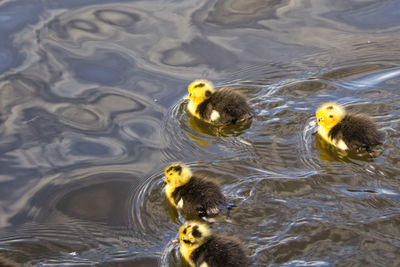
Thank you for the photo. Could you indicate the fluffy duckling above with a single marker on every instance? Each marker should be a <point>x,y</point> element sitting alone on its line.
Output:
<point>224,106</point>
<point>347,131</point>
<point>192,194</point>
<point>199,247</point>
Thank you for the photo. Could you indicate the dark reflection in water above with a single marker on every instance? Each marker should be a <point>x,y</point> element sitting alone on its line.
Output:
<point>117,18</point>
<point>239,14</point>
<point>367,15</point>
<point>92,110</point>
<point>200,52</point>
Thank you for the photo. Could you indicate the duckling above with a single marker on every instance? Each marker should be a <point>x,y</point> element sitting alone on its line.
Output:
<point>347,131</point>
<point>224,106</point>
<point>199,247</point>
<point>193,194</point>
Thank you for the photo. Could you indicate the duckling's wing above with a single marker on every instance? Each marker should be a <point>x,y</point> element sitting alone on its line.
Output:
<point>199,255</point>
<point>211,198</point>
<point>203,211</point>
<point>213,210</point>
<point>214,201</point>
<point>200,195</point>
<point>233,105</point>
<point>205,109</point>
<point>358,131</point>
<point>220,251</point>
<point>230,105</point>
<point>178,194</point>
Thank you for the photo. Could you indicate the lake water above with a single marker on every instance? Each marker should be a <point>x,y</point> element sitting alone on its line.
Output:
<point>92,111</point>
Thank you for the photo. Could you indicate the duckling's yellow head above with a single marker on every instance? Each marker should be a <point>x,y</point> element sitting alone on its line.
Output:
<point>330,114</point>
<point>200,90</point>
<point>177,174</point>
<point>193,234</point>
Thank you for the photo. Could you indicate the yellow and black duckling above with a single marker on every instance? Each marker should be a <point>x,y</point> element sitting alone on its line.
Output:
<point>347,131</point>
<point>224,106</point>
<point>192,194</point>
<point>199,247</point>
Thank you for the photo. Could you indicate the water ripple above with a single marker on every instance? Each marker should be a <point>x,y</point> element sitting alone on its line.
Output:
<point>91,112</point>
<point>188,135</point>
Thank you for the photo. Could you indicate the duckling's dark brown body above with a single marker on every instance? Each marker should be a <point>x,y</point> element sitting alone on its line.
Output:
<point>357,131</point>
<point>220,251</point>
<point>200,196</point>
<point>231,105</point>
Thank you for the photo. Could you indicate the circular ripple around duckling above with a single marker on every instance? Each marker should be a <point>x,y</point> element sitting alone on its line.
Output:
<point>251,189</point>
<point>191,138</point>
<point>151,213</point>
<point>320,153</point>
<point>171,255</point>
<point>151,210</point>
<point>82,216</point>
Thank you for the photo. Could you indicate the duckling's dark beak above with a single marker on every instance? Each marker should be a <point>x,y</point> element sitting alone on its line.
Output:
<point>186,241</point>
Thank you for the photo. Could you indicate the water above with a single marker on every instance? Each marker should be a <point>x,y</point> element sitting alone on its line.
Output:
<point>92,110</point>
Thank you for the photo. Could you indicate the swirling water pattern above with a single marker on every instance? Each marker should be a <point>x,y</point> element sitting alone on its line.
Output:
<point>92,110</point>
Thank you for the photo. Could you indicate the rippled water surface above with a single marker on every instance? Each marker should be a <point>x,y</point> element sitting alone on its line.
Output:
<point>92,111</point>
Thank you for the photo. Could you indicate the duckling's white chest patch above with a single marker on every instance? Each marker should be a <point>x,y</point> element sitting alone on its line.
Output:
<point>180,204</point>
<point>214,115</point>
<point>342,145</point>
<point>337,143</point>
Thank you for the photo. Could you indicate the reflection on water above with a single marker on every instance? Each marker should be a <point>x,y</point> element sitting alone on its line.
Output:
<point>91,112</point>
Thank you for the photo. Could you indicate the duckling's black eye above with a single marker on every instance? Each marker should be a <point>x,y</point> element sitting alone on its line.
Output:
<point>184,231</point>
<point>208,93</point>
<point>196,232</point>
<point>330,116</point>
<point>190,94</point>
